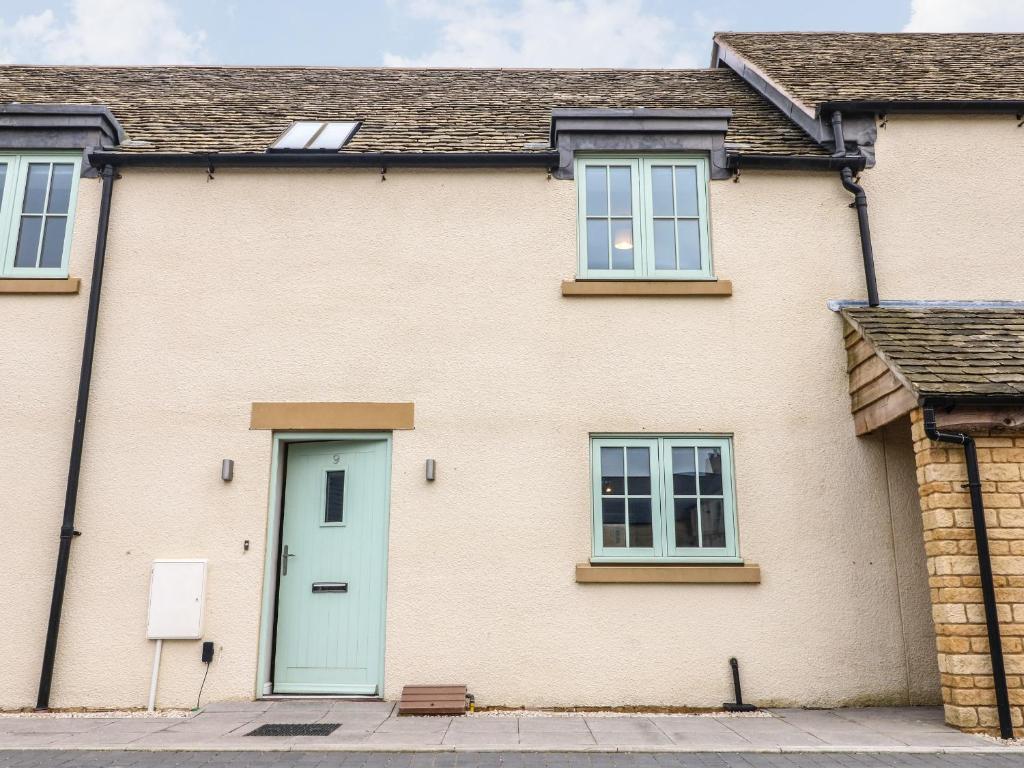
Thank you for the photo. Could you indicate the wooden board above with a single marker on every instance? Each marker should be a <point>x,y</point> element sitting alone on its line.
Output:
<point>433,700</point>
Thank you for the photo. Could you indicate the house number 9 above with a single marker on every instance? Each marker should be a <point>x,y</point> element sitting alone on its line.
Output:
<point>337,458</point>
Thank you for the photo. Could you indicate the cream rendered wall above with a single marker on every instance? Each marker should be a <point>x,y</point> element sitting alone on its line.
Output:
<point>442,287</point>
<point>40,356</point>
<point>947,207</point>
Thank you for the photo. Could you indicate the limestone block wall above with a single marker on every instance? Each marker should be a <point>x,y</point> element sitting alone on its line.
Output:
<point>955,586</point>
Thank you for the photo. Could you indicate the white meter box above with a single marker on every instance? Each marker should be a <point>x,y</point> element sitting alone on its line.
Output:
<point>177,595</point>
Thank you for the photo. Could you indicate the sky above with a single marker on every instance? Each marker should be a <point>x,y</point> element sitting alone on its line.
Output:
<point>512,33</point>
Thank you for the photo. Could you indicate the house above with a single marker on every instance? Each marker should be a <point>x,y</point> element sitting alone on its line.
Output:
<point>566,385</point>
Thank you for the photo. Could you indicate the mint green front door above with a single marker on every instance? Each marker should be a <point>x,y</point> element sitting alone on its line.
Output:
<point>332,565</point>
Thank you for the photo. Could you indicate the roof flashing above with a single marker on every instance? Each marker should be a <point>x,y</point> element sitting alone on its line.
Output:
<point>641,129</point>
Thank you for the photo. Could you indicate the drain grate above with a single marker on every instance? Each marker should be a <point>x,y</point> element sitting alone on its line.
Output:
<point>295,729</point>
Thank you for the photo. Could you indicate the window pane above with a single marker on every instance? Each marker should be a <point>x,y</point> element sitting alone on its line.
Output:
<point>622,243</point>
<point>35,187</point>
<point>661,190</point>
<point>597,190</point>
<point>597,243</point>
<point>298,135</point>
<point>686,191</point>
<point>334,508</point>
<point>684,476</point>
<point>638,462</point>
<point>53,241</point>
<point>60,188</point>
<point>612,472</point>
<point>686,523</point>
<point>613,522</point>
<point>664,244</point>
<point>333,136</point>
<point>3,181</point>
<point>689,243</point>
<point>709,462</point>
<point>641,532</point>
<point>620,178</point>
<point>28,241</point>
<point>712,522</point>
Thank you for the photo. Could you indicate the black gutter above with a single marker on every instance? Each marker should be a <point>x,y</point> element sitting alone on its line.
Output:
<point>988,591</point>
<point>67,528</point>
<point>797,162</point>
<point>307,159</point>
<point>935,106</point>
<point>860,202</point>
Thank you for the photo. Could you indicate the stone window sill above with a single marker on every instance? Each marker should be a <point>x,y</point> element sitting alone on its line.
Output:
<point>647,288</point>
<point>30,285</point>
<point>587,573</point>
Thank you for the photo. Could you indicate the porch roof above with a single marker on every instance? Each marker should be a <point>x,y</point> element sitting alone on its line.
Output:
<point>898,356</point>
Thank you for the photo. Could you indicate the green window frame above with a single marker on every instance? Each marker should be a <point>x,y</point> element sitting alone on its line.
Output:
<point>666,498</point>
<point>658,230</point>
<point>38,197</point>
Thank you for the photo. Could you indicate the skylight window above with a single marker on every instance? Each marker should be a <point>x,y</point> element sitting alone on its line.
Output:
<point>316,135</point>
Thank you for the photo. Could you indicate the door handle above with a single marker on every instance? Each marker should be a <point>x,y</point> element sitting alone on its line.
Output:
<point>330,586</point>
<point>284,560</point>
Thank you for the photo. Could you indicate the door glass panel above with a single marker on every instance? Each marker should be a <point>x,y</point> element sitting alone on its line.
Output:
<point>28,241</point>
<point>597,190</point>
<point>53,241</point>
<point>686,190</point>
<point>3,181</point>
<point>334,507</point>
<point>712,522</point>
<point>661,190</point>
<point>35,187</point>
<point>597,244</point>
<point>686,523</point>
<point>709,463</point>
<point>60,188</point>
<point>622,243</point>
<point>621,182</point>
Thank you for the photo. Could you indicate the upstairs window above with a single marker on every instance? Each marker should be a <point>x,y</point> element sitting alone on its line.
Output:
<point>37,211</point>
<point>643,218</point>
<point>666,498</point>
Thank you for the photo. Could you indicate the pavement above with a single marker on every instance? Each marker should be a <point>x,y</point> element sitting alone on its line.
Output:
<point>373,726</point>
<point>304,759</point>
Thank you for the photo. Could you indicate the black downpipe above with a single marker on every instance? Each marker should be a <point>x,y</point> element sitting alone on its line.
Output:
<point>988,591</point>
<point>860,202</point>
<point>67,528</point>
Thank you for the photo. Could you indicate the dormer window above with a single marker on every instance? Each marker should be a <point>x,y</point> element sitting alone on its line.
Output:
<point>316,136</point>
<point>37,211</point>
<point>644,218</point>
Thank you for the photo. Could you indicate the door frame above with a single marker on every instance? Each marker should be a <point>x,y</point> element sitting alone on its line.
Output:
<point>268,612</point>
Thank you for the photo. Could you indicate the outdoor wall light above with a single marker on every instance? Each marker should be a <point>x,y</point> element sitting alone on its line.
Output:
<point>227,470</point>
<point>430,470</point>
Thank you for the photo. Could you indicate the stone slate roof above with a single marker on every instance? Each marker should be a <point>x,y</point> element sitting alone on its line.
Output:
<point>815,67</point>
<point>244,109</point>
<point>947,351</point>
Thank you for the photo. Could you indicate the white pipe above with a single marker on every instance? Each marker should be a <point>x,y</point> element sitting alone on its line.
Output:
<point>156,674</point>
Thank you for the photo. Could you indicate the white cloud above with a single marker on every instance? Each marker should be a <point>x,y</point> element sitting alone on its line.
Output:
<point>101,32</point>
<point>556,33</point>
<point>966,16</point>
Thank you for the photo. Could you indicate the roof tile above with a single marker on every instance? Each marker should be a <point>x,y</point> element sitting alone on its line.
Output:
<point>244,109</point>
